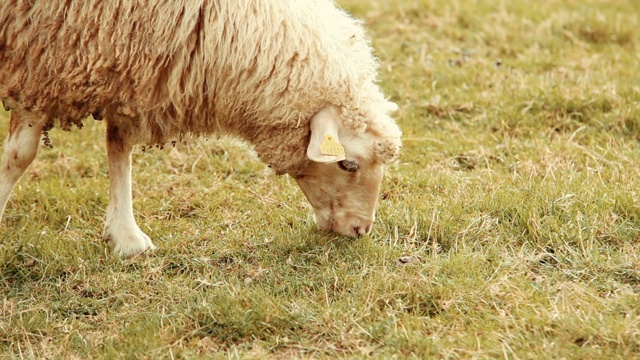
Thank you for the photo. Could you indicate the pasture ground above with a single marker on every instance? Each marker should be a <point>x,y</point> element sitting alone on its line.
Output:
<point>509,228</point>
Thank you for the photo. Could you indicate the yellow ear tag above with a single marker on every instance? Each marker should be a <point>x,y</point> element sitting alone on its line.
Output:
<point>329,146</point>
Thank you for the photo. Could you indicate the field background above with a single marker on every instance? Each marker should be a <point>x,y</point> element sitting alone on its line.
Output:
<point>509,228</point>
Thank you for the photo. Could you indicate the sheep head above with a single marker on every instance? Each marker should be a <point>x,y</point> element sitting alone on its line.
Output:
<point>342,179</point>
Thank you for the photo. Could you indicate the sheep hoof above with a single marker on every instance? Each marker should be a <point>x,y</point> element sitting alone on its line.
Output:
<point>128,242</point>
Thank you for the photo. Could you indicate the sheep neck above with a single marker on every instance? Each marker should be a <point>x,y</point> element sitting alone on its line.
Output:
<point>282,147</point>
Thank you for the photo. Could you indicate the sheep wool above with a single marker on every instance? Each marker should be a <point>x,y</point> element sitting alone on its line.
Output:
<point>163,70</point>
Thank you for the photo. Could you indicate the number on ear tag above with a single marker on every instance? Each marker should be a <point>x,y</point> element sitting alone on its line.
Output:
<point>329,146</point>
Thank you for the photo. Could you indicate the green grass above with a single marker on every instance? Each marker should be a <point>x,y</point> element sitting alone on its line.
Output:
<point>509,228</point>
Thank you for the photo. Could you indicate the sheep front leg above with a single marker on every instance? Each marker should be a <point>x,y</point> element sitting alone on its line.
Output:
<point>20,149</point>
<point>121,230</point>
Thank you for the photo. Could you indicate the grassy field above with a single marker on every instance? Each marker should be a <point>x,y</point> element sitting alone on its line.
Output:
<point>509,228</point>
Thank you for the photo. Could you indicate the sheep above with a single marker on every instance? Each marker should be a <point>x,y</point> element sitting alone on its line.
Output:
<point>296,79</point>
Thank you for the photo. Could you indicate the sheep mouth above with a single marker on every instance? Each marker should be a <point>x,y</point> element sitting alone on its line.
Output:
<point>350,229</point>
<point>348,225</point>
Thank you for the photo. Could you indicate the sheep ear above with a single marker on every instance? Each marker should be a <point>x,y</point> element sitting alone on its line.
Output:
<point>325,144</point>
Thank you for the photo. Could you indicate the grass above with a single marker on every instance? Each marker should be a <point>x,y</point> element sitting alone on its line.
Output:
<point>509,228</point>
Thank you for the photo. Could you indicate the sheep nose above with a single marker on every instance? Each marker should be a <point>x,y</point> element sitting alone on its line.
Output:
<point>362,229</point>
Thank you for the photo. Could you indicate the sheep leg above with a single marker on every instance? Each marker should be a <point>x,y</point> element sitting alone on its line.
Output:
<point>20,149</point>
<point>121,230</point>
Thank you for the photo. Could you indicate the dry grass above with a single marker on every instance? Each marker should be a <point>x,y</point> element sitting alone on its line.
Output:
<point>508,229</point>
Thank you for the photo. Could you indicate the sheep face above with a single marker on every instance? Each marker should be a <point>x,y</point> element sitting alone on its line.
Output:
<point>343,198</point>
<point>342,180</point>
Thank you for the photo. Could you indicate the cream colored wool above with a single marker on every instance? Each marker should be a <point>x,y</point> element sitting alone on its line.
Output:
<point>162,70</point>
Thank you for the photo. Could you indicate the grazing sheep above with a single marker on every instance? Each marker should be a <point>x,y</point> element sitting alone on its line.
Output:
<point>295,78</point>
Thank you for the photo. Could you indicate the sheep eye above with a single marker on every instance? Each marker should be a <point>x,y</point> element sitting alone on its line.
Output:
<point>348,165</point>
